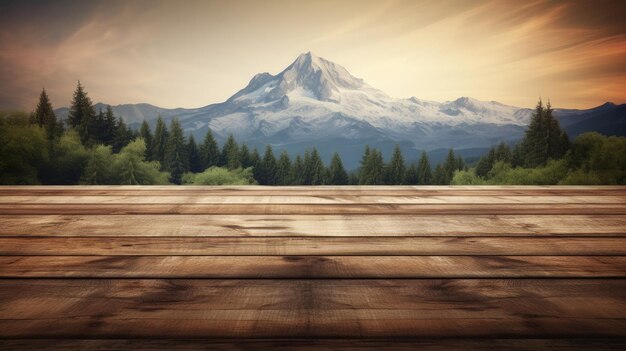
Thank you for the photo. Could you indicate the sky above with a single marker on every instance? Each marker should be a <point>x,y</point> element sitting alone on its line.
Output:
<point>195,53</point>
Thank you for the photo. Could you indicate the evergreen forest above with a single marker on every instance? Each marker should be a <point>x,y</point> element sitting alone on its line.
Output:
<point>97,147</point>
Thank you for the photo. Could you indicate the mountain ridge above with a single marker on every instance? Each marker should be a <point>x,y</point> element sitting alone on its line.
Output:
<point>316,102</point>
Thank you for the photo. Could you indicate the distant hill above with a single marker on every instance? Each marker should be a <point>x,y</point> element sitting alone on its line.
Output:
<point>607,119</point>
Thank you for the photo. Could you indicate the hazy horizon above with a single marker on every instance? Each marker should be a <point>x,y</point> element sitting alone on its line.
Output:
<point>195,53</point>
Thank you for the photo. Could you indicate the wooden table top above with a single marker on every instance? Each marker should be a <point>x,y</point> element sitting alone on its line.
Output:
<point>322,268</point>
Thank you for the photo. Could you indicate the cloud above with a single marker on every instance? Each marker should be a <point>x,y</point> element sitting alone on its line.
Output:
<point>198,52</point>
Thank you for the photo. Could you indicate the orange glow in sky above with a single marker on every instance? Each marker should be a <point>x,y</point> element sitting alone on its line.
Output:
<point>194,53</point>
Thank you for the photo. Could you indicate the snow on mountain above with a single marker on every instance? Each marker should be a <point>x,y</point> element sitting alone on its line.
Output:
<point>313,88</point>
<point>324,100</point>
<point>315,102</point>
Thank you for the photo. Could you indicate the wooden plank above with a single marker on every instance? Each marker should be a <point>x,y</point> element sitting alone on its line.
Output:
<point>507,256</point>
<point>311,225</point>
<point>317,209</point>
<point>440,344</point>
<point>109,190</point>
<point>316,199</point>
<point>364,267</point>
<point>316,246</point>
<point>311,191</point>
<point>129,308</point>
<point>311,187</point>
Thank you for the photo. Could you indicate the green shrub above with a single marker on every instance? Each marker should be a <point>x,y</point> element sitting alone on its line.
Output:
<point>99,168</point>
<point>468,177</point>
<point>68,158</point>
<point>23,149</point>
<point>220,176</point>
<point>598,159</point>
<point>127,167</point>
<point>582,177</point>
<point>551,173</point>
<point>131,168</point>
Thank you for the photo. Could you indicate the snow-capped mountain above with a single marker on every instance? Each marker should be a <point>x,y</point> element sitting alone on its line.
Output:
<point>315,102</point>
<point>314,97</point>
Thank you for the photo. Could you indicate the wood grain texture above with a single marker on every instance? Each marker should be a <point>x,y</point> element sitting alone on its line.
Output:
<point>311,225</point>
<point>440,344</point>
<point>312,308</point>
<point>316,209</point>
<point>264,267</point>
<point>311,199</point>
<point>387,246</point>
<point>373,190</point>
<point>323,268</point>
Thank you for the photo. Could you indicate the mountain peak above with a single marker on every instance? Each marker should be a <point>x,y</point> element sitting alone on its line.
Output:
<point>322,78</point>
<point>305,56</point>
<point>608,104</point>
<point>305,61</point>
<point>309,76</point>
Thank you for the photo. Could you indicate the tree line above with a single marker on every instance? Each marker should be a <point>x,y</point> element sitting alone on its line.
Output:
<point>179,155</point>
<point>98,148</point>
<point>547,156</point>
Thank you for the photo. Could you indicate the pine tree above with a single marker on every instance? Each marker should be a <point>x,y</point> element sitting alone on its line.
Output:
<point>534,143</point>
<point>109,126</point>
<point>558,141</point>
<point>440,176</point>
<point>267,168</point>
<point>337,174</point>
<point>97,128</point>
<point>193,155</point>
<point>81,113</point>
<point>244,156</point>
<point>503,153</point>
<point>363,170</point>
<point>372,172</point>
<point>544,138</point>
<point>460,163</point>
<point>396,169</point>
<point>517,156</point>
<point>230,153</point>
<point>159,142</point>
<point>450,166</point>
<point>75,116</point>
<point>353,178</point>
<point>298,171</point>
<point>424,173</point>
<point>314,171</point>
<point>563,146</point>
<point>412,175</point>
<point>284,175</point>
<point>44,116</point>
<point>146,134</point>
<point>255,162</point>
<point>485,163</point>
<point>122,135</point>
<point>209,151</point>
<point>176,157</point>
<point>306,168</point>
